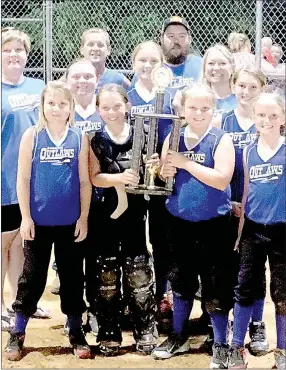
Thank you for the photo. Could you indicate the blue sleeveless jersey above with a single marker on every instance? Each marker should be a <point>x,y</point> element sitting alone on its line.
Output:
<point>19,111</point>
<point>225,105</point>
<point>110,76</point>
<point>55,186</point>
<point>265,202</point>
<point>184,74</point>
<point>240,139</point>
<point>193,200</point>
<point>90,124</point>
<point>141,106</point>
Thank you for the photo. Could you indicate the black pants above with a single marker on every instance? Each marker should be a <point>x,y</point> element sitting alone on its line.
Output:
<point>202,248</point>
<point>257,243</point>
<point>69,260</point>
<point>158,223</point>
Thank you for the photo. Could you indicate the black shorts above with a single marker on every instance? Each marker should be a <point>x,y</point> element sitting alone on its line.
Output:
<point>202,249</point>
<point>10,217</point>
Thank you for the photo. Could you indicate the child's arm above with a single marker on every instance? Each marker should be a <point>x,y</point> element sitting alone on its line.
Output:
<point>107,180</point>
<point>85,190</point>
<point>244,197</point>
<point>218,177</point>
<point>27,229</point>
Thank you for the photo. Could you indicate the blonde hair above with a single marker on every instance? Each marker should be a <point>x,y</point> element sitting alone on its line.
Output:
<point>55,86</point>
<point>141,46</point>
<point>9,34</point>
<point>278,100</point>
<point>225,52</point>
<point>197,89</point>
<point>252,71</point>
<point>95,30</point>
<point>238,41</point>
<point>279,47</point>
<point>112,88</point>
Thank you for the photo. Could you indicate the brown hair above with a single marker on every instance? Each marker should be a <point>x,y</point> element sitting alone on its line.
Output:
<point>9,34</point>
<point>252,71</point>
<point>112,88</point>
<point>95,30</point>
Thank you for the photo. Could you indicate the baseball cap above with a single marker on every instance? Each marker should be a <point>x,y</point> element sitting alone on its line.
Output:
<point>175,19</point>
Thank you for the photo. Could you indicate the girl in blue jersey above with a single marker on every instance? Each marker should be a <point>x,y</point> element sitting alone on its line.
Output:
<point>199,210</point>
<point>20,101</point>
<point>142,96</point>
<point>81,78</point>
<point>120,237</point>
<point>95,46</point>
<point>248,84</point>
<point>263,228</point>
<point>54,194</point>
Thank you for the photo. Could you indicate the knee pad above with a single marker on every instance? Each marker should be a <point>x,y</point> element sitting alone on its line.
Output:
<point>109,277</point>
<point>138,274</point>
<point>280,307</point>
<point>213,306</point>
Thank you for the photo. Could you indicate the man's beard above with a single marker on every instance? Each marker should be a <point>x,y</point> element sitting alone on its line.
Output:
<point>175,59</point>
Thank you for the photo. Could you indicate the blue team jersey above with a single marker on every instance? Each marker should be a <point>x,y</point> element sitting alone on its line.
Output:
<point>141,106</point>
<point>265,202</point>
<point>193,200</point>
<point>110,76</point>
<point>55,185</point>
<point>19,111</point>
<point>184,74</point>
<point>240,139</point>
<point>90,124</point>
<point>225,105</point>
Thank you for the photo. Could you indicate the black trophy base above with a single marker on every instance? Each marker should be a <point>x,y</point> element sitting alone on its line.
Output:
<point>148,190</point>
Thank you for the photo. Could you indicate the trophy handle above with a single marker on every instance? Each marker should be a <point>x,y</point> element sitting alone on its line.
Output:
<point>174,145</point>
<point>138,136</point>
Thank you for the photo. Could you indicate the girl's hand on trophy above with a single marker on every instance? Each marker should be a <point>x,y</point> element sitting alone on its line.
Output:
<point>168,170</point>
<point>176,159</point>
<point>130,177</point>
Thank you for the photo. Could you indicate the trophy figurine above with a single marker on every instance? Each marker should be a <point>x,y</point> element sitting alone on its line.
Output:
<point>161,78</point>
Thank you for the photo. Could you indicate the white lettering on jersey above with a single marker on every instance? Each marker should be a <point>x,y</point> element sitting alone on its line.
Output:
<point>147,108</point>
<point>180,81</point>
<point>24,101</point>
<point>265,172</point>
<point>88,126</point>
<point>241,139</point>
<point>196,157</point>
<point>56,155</point>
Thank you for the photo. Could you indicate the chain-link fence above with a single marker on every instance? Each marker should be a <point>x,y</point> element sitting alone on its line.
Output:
<point>55,26</point>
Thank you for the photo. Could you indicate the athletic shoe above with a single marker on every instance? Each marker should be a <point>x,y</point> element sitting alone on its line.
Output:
<point>56,286</point>
<point>220,356</point>
<point>146,343</point>
<point>174,344</point>
<point>165,319</point>
<point>80,346</point>
<point>14,347</point>
<point>280,358</point>
<point>258,345</point>
<point>237,358</point>
<point>109,347</point>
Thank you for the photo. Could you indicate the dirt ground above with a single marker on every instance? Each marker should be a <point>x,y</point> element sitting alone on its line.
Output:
<point>47,347</point>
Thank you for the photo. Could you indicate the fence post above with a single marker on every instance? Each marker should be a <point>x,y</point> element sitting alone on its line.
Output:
<point>48,40</point>
<point>258,33</point>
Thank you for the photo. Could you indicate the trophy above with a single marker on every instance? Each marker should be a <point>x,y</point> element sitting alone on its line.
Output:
<point>161,78</point>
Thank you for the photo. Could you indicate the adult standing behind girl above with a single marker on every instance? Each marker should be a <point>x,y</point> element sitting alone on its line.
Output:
<point>95,46</point>
<point>20,101</point>
<point>54,194</point>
